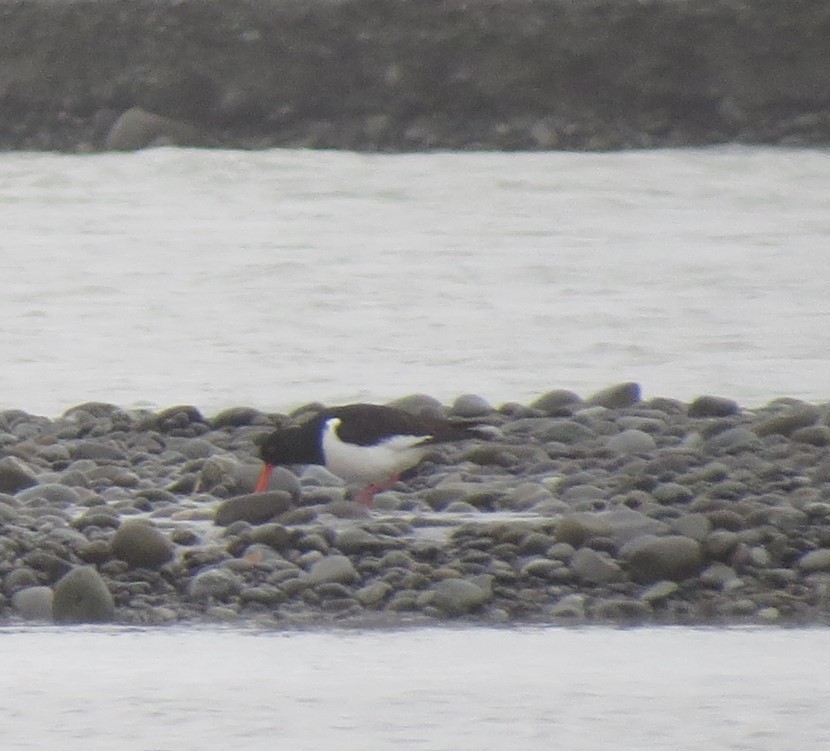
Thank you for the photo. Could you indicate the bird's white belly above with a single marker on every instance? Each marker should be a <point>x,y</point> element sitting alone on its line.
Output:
<point>368,465</point>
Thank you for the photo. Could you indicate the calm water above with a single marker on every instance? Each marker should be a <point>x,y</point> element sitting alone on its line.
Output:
<point>442,690</point>
<point>272,279</point>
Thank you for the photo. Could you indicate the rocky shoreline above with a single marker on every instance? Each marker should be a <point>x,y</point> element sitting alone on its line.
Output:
<point>385,75</point>
<point>608,509</point>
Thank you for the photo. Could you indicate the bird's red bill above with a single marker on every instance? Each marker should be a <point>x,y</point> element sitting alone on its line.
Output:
<point>264,478</point>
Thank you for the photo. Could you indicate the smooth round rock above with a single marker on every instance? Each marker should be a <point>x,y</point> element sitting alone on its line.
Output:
<point>214,584</point>
<point>33,603</point>
<point>815,560</point>
<point>618,396</point>
<point>333,568</point>
<point>55,493</point>
<point>556,402</point>
<point>82,596</point>
<point>673,557</point>
<point>254,508</point>
<point>580,526</point>
<point>800,416</point>
<point>15,475</point>
<point>141,545</point>
<point>631,442</point>
<point>458,596</point>
<point>713,406</point>
<point>354,540</point>
<point>593,566</point>
<point>470,405</point>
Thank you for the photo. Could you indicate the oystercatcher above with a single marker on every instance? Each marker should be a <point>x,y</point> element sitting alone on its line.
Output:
<point>364,444</point>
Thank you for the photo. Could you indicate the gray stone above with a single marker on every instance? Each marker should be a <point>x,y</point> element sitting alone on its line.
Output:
<point>19,578</point>
<point>713,406</point>
<point>616,397</point>
<point>626,523</point>
<point>814,435</point>
<point>98,451</point>
<point>458,596</point>
<point>356,540</point>
<point>333,568</point>
<point>373,594</point>
<point>798,416</point>
<point>419,404</point>
<point>696,526</point>
<point>55,493</point>
<point>33,603</point>
<point>138,129</point>
<point>734,440</point>
<point>214,584</point>
<point>652,558</point>
<point>555,402</point>
<point>564,431</point>
<point>670,493</point>
<point>15,475</point>
<point>631,442</point>
<point>721,544</point>
<point>718,575</point>
<point>622,609</point>
<point>254,508</point>
<point>599,568</point>
<point>570,606</point>
<point>82,596</point>
<point>815,560</point>
<point>659,591</point>
<point>470,405</point>
<point>141,545</point>
<point>542,568</point>
<point>580,526</point>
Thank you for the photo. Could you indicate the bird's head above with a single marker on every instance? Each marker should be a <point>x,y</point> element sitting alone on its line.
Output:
<point>290,444</point>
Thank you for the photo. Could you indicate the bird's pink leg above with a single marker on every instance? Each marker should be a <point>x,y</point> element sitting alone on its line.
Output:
<point>366,496</point>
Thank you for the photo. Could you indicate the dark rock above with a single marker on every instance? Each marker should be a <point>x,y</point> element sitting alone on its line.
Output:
<point>631,442</point>
<point>138,129</point>
<point>98,451</point>
<point>713,406</point>
<point>598,568</point>
<point>256,508</point>
<point>459,596</point>
<point>215,584</point>
<point>801,416</point>
<point>470,405</point>
<point>141,545</point>
<point>333,568</point>
<point>652,558</point>
<point>235,417</point>
<point>556,403</point>
<point>82,596</point>
<point>15,475</point>
<point>581,526</point>
<point>34,603</point>
<point>616,397</point>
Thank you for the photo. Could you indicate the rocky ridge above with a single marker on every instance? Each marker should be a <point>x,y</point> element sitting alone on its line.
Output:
<point>385,75</point>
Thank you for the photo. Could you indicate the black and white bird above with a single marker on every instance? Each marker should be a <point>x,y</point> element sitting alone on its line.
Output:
<point>369,445</point>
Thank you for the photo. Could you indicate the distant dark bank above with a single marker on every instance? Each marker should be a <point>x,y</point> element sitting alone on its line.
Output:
<point>408,75</point>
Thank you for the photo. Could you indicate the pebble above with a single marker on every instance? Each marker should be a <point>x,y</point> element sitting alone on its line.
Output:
<point>253,508</point>
<point>673,557</point>
<point>33,603</point>
<point>458,596</point>
<point>141,544</point>
<point>82,596</point>
<point>333,568</point>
